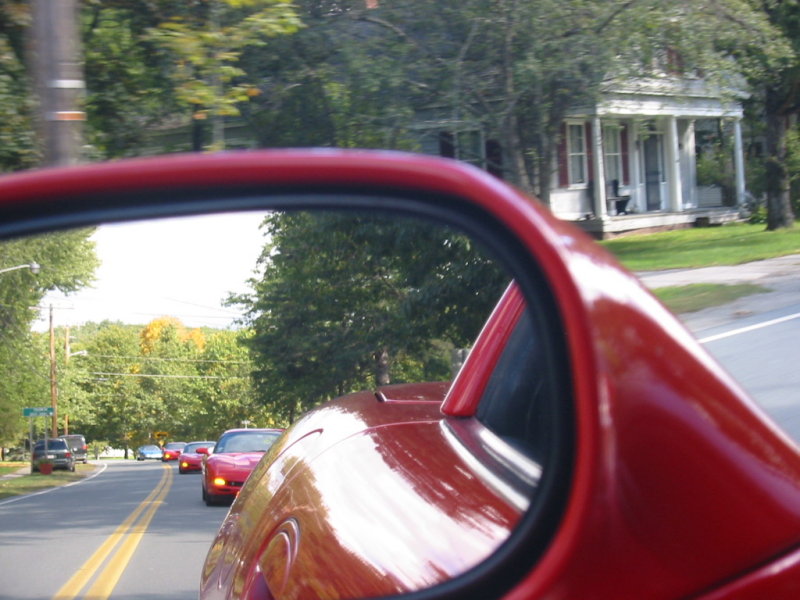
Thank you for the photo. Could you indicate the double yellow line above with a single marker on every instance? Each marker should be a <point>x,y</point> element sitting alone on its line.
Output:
<point>127,536</point>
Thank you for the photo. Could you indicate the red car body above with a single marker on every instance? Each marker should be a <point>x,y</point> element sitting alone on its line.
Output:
<point>661,479</point>
<point>189,460</point>
<point>236,453</point>
<point>172,450</point>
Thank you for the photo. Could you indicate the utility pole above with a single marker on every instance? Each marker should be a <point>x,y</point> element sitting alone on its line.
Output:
<point>53,383</point>
<point>59,80</point>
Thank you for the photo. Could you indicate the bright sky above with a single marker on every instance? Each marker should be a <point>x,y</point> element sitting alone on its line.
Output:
<point>183,268</point>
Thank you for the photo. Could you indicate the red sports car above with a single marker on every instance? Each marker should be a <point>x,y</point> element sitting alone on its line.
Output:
<point>589,446</point>
<point>236,453</point>
<point>190,460</point>
<point>172,450</point>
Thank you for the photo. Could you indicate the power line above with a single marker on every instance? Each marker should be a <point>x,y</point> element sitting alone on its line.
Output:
<point>169,376</point>
<point>157,358</point>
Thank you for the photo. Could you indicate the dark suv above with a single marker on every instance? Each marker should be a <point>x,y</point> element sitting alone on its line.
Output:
<point>57,451</point>
<point>77,444</point>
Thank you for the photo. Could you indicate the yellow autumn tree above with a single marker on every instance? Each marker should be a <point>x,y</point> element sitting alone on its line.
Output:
<point>157,329</point>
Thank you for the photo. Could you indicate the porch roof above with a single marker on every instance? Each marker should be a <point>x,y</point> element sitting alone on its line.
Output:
<point>687,98</point>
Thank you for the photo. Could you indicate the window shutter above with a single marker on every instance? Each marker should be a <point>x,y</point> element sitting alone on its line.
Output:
<point>563,168</point>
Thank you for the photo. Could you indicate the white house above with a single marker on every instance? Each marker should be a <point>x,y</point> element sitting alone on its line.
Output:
<point>630,162</point>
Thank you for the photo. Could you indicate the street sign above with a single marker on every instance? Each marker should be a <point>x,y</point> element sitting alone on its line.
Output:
<point>38,411</point>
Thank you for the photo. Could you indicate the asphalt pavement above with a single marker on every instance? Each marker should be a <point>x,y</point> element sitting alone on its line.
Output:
<point>781,276</point>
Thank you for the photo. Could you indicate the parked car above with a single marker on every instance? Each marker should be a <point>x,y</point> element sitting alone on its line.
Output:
<point>235,455</point>
<point>589,446</point>
<point>149,452</point>
<point>77,444</point>
<point>54,449</point>
<point>172,450</point>
<point>190,461</point>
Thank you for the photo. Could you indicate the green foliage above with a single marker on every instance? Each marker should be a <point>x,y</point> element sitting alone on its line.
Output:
<point>17,132</point>
<point>67,263</point>
<point>348,302</point>
<point>771,64</point>
<point>127,89</point>
<point>206,52</point>
<point>135,381</point>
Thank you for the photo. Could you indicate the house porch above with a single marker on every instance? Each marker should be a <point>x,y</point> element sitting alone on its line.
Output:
<point>619,225</point>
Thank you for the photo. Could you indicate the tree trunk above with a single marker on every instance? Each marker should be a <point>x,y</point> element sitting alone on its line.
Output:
<point>517,174</point>
<point>779,205</point>
<point>382,367</point>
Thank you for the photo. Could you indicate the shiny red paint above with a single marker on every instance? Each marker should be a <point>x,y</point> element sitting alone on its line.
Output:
<point>172,450</point>
<point>190,460</point>
<point>235,455</point>
<point>297,522</point>
<point>680,487</point>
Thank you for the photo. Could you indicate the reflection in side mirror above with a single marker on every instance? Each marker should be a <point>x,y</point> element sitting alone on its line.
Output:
<point>345,333</point>
<point>337,302</point>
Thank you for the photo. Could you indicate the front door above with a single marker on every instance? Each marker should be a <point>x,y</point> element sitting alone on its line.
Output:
<point>653,171</point>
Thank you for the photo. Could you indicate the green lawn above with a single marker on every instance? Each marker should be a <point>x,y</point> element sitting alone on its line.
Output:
<point>34,482</point>
<point>731,244</point>
<point>683,299</point>
<point>8,468</point>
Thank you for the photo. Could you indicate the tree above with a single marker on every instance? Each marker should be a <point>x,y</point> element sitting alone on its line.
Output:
<point>773,67</point>
<point>67,264</point>
<point>120,412</point>
<point>348,302</point>
<point>17,134</point>
<point>160,377</point>
<point>226,396</point>
<point>207,48</point>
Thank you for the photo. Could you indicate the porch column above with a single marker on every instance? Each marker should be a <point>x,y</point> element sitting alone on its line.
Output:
<point>598,170</point>
<point>738,161</point>
<point>638,194</point>
<point>689,171</point>
<point>673,166</point>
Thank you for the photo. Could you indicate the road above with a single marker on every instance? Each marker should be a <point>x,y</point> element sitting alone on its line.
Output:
<point>763,354</point>
<point>133,531</point>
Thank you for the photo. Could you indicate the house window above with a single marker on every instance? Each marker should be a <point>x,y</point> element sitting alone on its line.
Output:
<point>467,146</point>
<point>470,148</point>
<point>612,152</point>
<point>576,153</point>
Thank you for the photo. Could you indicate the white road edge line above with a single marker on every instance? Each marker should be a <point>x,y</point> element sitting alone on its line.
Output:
<point>719,336</point>
<point>58,487</point>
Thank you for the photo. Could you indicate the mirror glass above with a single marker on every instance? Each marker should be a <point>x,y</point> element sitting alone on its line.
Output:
<point>177,329</point>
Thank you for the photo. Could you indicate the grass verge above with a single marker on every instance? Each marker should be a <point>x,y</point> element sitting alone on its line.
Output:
<point>697,296</point>
<point>35,482</point>
<point>731,244</point>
